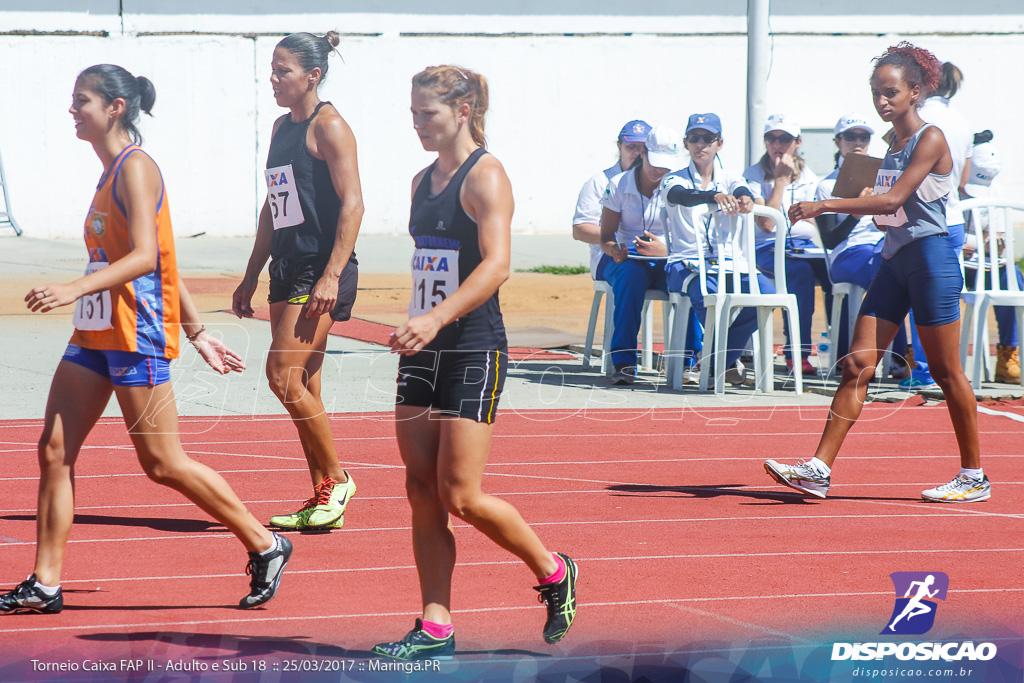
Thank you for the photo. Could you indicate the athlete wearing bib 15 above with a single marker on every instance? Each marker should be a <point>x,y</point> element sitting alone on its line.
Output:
<point>128,333</point>
<point>305,208</point>
<point>462,371</point>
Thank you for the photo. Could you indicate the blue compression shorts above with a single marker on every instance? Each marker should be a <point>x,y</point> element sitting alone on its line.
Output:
<point>923,275</point>
<point>122,368</point>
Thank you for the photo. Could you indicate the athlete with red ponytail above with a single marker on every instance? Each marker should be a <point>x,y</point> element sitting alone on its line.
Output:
<point>919,270</point>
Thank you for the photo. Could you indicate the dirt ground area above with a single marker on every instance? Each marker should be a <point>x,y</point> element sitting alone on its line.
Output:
<point>540,310</point>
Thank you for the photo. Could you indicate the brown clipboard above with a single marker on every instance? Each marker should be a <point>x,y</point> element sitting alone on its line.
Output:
<point>857,172</point>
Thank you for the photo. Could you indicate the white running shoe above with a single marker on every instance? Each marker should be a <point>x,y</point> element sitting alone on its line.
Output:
<point>962,489</point>
<point>803,477</point>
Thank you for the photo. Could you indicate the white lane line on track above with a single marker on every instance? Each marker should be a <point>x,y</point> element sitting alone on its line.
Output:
<point>463,525</point>
<point>496,563</point>
<point>742,624</point>
<point>999,413</point>
<point>103,628</point>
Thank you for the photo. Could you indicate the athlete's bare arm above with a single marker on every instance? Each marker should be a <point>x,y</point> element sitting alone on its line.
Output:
<point>930,156</point>
<point>138,187</point>
<point>487,198</point>
<point>335,144</point>
<point>241,300</point>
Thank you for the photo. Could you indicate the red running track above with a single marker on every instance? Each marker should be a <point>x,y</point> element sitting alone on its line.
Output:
<point>682,540</point>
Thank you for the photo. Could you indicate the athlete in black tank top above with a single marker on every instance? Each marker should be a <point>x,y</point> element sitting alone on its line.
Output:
<point>318,203</point>
<point>308,226</point>
<point>453,362</point>
<point>439,225</point>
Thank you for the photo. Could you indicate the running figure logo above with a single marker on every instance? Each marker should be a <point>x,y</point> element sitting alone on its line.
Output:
<point>914,612</point>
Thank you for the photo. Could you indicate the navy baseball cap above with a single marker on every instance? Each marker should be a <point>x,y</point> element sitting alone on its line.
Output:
<point>708,122</point>
<point>635,131</point>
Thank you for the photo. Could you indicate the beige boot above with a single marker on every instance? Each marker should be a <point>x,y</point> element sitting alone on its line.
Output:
<point>1007,364</point>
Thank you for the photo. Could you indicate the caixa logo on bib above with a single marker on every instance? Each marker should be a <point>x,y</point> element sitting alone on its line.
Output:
<point>916,595</point>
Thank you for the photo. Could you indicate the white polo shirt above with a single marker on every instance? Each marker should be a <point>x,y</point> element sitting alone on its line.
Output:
<point>802,190</point>
<point>588,207</point>
<point>637,213</point>
<point>681,222</point>
<point>864,232</point>
<point>936,110</point>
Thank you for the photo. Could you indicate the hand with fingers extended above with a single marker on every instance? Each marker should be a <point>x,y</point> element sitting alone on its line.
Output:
<point>216,353</point>
<point>241,300</point>
<point>323,297</point>
<point>49,297</point>
<point>414,334</point>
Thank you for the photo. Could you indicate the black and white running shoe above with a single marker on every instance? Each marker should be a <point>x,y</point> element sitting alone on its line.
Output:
<point>266,570</point>
<point>28,598</point>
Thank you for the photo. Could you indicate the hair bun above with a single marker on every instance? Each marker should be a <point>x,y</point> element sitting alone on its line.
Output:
<point>333,38</point>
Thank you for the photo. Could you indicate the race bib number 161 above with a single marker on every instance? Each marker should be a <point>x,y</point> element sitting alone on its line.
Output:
<point>283,197</point>
<point>93,311</point>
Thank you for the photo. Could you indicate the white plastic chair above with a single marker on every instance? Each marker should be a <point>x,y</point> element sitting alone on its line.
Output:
<point>981,297</point>
<point>603,288</point>
<point>734,246</point>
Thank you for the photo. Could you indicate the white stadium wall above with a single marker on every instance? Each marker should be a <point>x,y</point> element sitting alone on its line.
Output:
<point>564,76</point>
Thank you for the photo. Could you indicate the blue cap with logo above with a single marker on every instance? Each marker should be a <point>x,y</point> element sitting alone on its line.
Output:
<point>708,122</point>
<point>635,131</point>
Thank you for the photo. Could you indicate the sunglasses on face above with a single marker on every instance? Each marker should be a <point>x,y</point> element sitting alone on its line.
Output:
<point>850,136</point>
<point>784,138</point>
<point>706,138</point>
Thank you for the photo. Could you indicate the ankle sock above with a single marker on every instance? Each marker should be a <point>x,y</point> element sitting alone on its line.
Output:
<point>973,474</point>
<point>438,631</point>
<point>559,573</point>
<point>821,466</point>
<point>273,546</point>
<point>48,591</point>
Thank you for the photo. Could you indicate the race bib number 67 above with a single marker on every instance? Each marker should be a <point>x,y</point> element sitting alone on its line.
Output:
<point>283,197</point>
<point>435,277</point>
<point>93,311</point>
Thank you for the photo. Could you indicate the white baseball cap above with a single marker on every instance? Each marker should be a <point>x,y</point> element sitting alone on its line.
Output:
<point>664,148</point>
<point>985,166</point>
<point>781,122</point>
<point>849,121</point>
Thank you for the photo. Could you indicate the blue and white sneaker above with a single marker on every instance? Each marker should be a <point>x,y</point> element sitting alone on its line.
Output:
<point>914,384</point>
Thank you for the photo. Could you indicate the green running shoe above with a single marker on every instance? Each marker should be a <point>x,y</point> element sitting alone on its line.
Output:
<point>297,519</point>
<point>330,513</point>
<point>418,644</point>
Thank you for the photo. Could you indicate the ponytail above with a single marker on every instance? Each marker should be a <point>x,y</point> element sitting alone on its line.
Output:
<point>950,80</point>
<point>456,86</point>
<point>919,67</point>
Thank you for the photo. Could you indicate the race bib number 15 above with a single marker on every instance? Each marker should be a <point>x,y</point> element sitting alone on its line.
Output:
<point>435,277</point>
<point>93,311</point>
<point>283,197</point>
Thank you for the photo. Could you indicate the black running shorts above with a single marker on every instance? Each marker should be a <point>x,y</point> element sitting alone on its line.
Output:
<point>293,282</point>
<point>454,382</point>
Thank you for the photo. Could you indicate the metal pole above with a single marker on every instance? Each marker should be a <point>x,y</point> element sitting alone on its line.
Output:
<point>758,47</point>
<point>6,216</point>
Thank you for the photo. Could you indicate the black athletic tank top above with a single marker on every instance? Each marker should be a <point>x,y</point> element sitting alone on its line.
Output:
<point>312,239</point>
<point>443,231</point>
